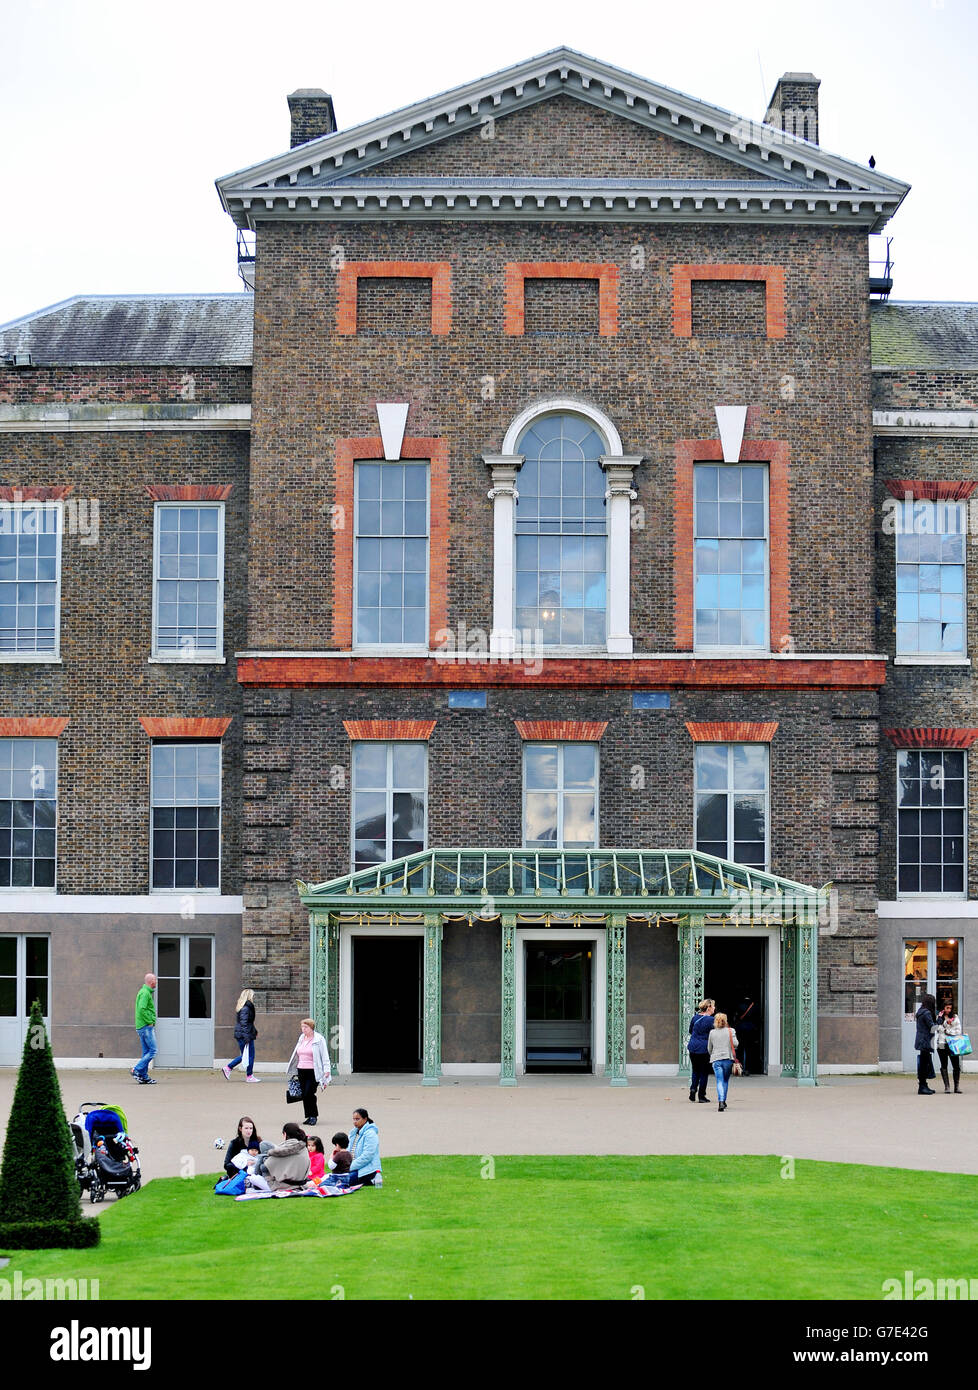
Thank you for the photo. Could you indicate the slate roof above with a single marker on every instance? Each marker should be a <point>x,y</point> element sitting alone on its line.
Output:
<point>925,335</point>
<point>149,329</point>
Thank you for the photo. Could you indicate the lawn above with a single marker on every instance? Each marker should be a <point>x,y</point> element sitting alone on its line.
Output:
<point>560,1228</point>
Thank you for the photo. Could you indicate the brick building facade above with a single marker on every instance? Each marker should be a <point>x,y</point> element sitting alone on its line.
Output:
<point>540,286</point>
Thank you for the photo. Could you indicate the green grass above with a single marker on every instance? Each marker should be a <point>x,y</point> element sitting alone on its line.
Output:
<point>696,1228</point>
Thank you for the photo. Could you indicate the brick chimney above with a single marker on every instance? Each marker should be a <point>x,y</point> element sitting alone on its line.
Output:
<point>312,115</point>
<point>793,107</point>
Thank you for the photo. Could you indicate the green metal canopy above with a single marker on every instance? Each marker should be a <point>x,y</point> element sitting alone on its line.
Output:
<point>575,887</point>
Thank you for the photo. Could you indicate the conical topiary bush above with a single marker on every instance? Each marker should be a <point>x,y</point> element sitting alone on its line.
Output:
<point>40,1205</point>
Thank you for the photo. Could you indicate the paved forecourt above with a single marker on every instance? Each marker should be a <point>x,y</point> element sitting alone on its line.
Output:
<point>848,1119</point>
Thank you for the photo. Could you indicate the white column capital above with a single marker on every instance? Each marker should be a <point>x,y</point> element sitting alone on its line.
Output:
<point>504,468</point>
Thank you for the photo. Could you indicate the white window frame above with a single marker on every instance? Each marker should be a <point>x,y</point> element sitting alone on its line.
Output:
<point>54,654</point>
<point>930,658</point>
<point>41,888</point>
<point>200,657</point>
<point>185,891</point>
<point>725,650</point>
<point>559,790</point>
<point>416,648</point>
<point>731,792</point>
<point>504,495</point>
<point>389,790</point>
<point>930,894</point>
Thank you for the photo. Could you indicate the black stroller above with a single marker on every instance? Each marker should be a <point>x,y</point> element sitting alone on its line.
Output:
<point>106,1159</point>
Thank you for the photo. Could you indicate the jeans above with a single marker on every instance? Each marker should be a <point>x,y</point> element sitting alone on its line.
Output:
<point>147,1041</point>
<point>722,1070</point>
<point>943,1054</point>
<point>248,1047</point>
<point>307,1080</point>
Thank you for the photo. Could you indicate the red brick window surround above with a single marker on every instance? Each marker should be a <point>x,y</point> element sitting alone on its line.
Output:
<point>43,726</point>
<point>176,726</point>
<point>518,272</point>
<point>438,272</point>
<point>922,490</point>
<point>36,494</point>
<point>682,293</point>
<point>732,731</point>
<point>350,451</point>
<point>387,730</point>
<point>776,454</point>
<point>931,738</point>
<point>189,492</point>
<point>560,730</point>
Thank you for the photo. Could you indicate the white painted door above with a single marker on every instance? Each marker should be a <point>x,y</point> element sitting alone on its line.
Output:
<point>185,1001</point>
<point>24,976</point>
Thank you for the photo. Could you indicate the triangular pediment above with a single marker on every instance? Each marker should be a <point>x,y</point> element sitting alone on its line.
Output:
<point>561,133</point>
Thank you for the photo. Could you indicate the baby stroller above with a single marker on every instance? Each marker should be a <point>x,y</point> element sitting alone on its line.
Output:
<point>106,1159</point>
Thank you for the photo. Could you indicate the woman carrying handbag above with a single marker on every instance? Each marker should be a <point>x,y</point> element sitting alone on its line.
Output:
<point>245,1034</point>
<point>308,1069</point>
<point>722,1048</point>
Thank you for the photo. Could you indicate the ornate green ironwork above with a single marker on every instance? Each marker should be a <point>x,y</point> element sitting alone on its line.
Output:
<point>507,1059</point>
<point>789,990</point>
<point>431,1025</point>
<point>616,941</point>
<point>575,888</point>
<point>647,882</point>
<point>807,1014</point>
<point>690,981</point>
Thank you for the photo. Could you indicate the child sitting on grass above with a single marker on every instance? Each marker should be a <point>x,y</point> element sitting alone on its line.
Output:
<point>317,1160</point>
<point>341,1158</point>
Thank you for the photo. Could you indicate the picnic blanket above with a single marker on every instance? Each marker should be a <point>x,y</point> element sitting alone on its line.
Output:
<point>328,1190</point>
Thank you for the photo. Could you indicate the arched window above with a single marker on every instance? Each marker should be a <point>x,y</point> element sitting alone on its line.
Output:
<point>561,533</point>
<point>561,492</point>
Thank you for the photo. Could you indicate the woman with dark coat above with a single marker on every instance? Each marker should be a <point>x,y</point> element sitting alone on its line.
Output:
<point>700,1026</point>
<point>924,1043</point>
<point>245,1034</point>
<point>247,1140</point>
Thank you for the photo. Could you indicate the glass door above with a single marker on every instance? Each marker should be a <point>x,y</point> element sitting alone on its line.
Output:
<point>24,977</point>
<point>929,967</point>
<point>185,1001</point>
<point>558,1007</point>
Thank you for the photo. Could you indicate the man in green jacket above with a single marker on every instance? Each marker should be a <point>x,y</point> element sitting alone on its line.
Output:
<point>146,1028</point>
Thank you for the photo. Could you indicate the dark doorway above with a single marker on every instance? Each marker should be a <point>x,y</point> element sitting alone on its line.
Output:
<point>558,1006</point>
<point>387,1003</point>
<point>734,974</point>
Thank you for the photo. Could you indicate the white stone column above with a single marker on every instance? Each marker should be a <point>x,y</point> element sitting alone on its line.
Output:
<point>618,470</point>
<point>503,495</point>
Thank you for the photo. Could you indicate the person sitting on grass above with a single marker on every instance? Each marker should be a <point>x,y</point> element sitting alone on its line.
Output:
<point>244,1149</point>
<point>285,1166</point>
<point>340,1159</point>
<point>365,1148</point>
<point>317,1160</point>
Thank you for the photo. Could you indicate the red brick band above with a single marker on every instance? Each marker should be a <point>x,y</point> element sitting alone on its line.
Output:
<point>438,272</point>
<point>189,492</point>
<point>776,454</point>
<point>682,293</point>
<point>729,673</point>
<point>174,726</point>
<point>931,738</point>
<point>372,729</point>
<point>37,726</point>
<point>929,491</point>
<point>348,451</point>
<point>561,730</point>
<point>732,731</point>
<point>518,272</point>
<point>36,494</point>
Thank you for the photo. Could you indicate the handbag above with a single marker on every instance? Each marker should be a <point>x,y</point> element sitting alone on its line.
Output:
<point>960,1046</point>
<point>231,1187</point>
<point>737,1068</point>
<point>293,1090</point>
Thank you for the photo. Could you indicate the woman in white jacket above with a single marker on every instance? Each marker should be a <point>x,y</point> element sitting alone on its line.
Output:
<point>310,1062</point>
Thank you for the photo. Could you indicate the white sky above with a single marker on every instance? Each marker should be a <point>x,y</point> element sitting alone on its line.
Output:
<point>118,117</point>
